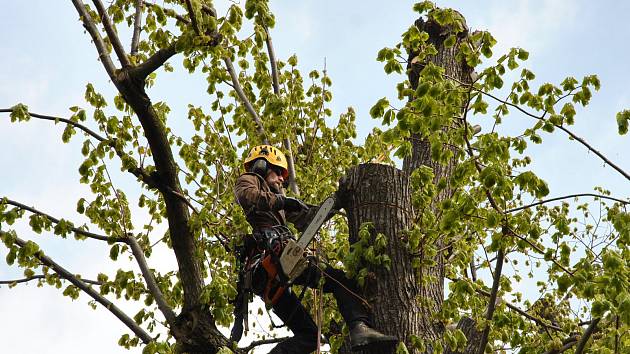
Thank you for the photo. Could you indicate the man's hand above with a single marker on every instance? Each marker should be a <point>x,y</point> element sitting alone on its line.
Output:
<point>289,204</point>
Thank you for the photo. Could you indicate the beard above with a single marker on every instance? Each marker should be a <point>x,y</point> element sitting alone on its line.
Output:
<point>275,187</point>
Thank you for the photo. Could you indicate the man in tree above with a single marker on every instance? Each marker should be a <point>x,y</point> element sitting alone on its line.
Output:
<point>267,209</point>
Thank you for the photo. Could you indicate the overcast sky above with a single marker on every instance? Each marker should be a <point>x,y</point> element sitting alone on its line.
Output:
<point>47,59</point>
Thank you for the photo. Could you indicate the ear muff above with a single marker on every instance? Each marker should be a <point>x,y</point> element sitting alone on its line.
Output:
<point>259,167</point>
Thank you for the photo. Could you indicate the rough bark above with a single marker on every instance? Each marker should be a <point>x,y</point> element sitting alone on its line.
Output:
<point>380,194</point>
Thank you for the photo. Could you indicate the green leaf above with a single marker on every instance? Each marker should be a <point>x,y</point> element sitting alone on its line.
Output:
<point>423,7</point>
<point>623,118</point>
<point>379,108</point>
<point>19,113</point>
<point>450,41</point>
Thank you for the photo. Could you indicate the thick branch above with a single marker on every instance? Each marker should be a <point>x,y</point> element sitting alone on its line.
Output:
<point>56,221</point>
<point>89,25</point>
<point>193,18</point>
<point>587,334</point>
<point>57,119</point>
<point>164,307</point>
<point>154,62</point>
<point>244,100</point>
<point>41,276</point>
<point>111,34</point>
<point>567,197</point>
<point>492,301</point>
<point>137,26</point>
<point>276,89</point>
<point>62,272</point>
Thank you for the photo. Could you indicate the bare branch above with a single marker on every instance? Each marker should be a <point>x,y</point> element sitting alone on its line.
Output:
<point>111,34</point>
<point>587,334</point>
<point>41,276</point>
<point>164,307</point>
<point>64,120</point>
<point>56,221</point>
<point>137,26</point>
<point>276,89</point>
<point>89,25</point>
<point>62,272</point>
<point>567,197</point>
<point>245,100</point>
<point>254,344</point>
<point>492,301</point>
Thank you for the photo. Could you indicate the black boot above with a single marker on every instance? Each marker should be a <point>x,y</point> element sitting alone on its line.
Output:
<point>362,336</point>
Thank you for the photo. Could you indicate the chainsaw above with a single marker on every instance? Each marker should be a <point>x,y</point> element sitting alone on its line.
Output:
<point>292,260</point>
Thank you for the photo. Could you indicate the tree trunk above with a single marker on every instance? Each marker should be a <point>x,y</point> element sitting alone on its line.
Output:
<point>380,194</point>
<point>402,303</point>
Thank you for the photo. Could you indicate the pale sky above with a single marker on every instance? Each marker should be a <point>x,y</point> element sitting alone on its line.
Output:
<point>48,58</point>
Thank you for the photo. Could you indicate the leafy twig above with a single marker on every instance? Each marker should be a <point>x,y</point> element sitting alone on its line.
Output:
<point>567,197</point>
<point>570,133</point>
<point>57,221</point>
<point>62,272</point>
<point>42,276</point>
<point>245,100</point>
<point>492,301</point>
<point>164,307</point>
<point>58,119</point>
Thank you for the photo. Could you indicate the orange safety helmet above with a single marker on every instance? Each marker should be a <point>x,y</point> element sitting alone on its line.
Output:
<point>269,154</point>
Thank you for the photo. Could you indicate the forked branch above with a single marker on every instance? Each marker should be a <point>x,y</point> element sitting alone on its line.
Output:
<point>90,26</point>
<point>111,33</point>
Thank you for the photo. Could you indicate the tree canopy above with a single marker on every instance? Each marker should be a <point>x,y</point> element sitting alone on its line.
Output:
<point>535,271</point>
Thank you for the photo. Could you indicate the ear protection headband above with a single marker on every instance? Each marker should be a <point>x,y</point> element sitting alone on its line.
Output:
<point>259,167</point>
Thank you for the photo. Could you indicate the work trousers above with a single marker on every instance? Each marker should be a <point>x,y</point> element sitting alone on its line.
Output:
<point>299,321</point>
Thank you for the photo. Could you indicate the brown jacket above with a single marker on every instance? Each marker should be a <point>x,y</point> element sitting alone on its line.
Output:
<point>257,200</point>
